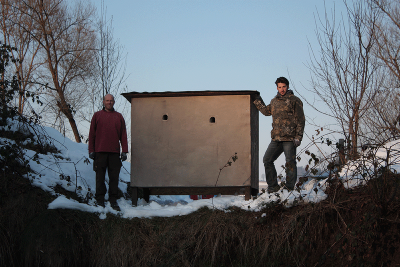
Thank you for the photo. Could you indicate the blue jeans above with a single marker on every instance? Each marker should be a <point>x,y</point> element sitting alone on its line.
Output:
<point>274,150</point>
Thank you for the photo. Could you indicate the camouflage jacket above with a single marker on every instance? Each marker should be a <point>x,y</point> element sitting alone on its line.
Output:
<point>287,116</point>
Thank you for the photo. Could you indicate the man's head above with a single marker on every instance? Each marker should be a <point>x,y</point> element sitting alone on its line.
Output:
<point>108,102</point>
<point>282,84</point>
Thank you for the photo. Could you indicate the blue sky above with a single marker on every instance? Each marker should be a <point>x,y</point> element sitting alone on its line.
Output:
<point>214,45</point>
<point>185,45</point>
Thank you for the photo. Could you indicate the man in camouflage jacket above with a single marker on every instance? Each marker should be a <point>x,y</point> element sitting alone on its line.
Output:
<point>287,132</point>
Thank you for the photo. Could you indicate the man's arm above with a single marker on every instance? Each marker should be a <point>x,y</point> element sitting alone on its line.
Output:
<point>124,138</point>
<point>300,119</point>
<point>92,135</point>
<point>260,105</point>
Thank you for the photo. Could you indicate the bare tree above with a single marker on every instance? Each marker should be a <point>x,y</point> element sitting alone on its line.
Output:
<point>387,34</point>
<point>17,27</point>
<point>381,123</point>
<point>110,70</point>
<point>384,118</point>
<point>110,75</point>
<point>110,58</point>
<point>65,54</point>
<point>67,41</point>
<point>344,70</point>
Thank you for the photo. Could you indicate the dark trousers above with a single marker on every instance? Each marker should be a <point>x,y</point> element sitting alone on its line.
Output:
<point>274,150</point>
<point>111,162</point>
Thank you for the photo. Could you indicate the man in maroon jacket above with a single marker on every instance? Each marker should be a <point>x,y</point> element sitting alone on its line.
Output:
<point>107,134</point>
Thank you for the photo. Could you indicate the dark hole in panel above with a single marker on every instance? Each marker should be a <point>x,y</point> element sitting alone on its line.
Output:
<point>212,119</point>
<point>165,117</point>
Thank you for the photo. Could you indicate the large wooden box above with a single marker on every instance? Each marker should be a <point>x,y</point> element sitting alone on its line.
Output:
<point>182,142</point>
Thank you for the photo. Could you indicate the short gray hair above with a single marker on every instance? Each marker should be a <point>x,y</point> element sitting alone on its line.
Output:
<point>104,97</point>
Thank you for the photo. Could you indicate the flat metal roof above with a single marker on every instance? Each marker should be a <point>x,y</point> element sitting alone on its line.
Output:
<point>131,95</point>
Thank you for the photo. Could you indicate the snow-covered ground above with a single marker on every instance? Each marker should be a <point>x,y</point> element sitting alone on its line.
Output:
<point>72,169</point>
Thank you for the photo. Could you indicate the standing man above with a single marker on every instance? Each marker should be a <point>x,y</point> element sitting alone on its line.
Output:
<point>287,132</point>
<point>107,134</point>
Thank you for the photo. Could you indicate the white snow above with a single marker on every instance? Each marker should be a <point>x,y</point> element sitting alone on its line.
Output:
<point>73,170</point>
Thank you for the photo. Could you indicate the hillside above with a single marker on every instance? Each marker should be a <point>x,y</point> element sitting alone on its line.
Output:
<point>46,221</point>
<point>358,227</point>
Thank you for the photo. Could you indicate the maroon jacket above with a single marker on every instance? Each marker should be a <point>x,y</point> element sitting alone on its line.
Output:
<point>107,131</point>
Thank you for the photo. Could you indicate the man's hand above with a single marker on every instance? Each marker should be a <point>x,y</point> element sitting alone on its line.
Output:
<point>92,155</point>
<point>123,156</point>
<point>259,103</point>
<point>296,142</point>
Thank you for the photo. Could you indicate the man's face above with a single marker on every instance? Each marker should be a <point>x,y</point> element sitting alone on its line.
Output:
<point>282,88</point>
<point>108,102</point>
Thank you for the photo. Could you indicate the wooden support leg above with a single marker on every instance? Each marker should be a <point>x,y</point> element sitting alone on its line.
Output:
<point>247,193</point>
<point>146,194</point>
<point>134,196</point>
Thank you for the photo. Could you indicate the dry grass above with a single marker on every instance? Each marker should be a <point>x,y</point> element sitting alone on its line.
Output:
<point>351,228</point>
